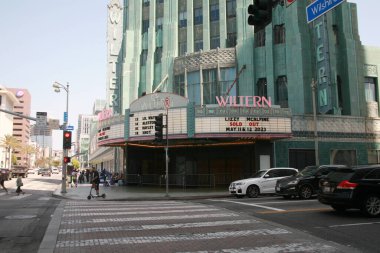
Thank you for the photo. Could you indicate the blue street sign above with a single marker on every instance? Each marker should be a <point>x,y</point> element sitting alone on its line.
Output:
<point>70,128</point>
<point>320,7</point>
<point>65,117</point>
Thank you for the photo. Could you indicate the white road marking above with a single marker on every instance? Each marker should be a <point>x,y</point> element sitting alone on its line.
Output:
<point>290,247</point>
<point>170,238</point>
<point>3,193</point>
<point>158,226</point>
<point>83,214</point>
<point>249,204</point>
<point>354,224</point>
<point>154,218</point>
<point>21,196</point>
<point>44,198</point>
<point>131,208</point>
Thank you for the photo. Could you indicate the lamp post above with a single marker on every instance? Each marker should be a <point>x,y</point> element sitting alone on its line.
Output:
<point>57,88</point>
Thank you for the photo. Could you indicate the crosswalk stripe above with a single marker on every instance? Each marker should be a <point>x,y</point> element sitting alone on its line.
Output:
<point>157,226</point>
<point>132,208</point>
<point>2,193</point>
<point>154,218</point>
<point>171,238</point>
<point>140,212</point>
<point>20,196</point>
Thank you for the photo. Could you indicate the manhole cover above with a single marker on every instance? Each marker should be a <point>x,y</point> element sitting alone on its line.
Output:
<point>20,217</point>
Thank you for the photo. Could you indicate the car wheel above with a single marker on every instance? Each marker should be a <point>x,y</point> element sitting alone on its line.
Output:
<point>339,208</point>
<point>371,206</point>
<point>305,192</point>
<point>253,191</point>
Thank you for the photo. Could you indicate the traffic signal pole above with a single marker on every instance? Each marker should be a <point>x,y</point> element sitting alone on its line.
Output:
<point>167,154</point>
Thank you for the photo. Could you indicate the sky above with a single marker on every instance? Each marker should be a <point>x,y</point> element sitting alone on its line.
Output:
<point>43,41</point>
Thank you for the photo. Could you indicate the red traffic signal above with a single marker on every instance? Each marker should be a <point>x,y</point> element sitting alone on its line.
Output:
<point>67,139</point>
<point>66,159</point>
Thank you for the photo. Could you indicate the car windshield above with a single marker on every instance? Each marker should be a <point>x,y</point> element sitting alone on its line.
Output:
<point>259,174</point>
<point>308,171</point>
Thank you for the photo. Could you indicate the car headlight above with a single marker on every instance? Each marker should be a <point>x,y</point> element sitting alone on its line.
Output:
<point>240,183</point>
<point>295,181</point>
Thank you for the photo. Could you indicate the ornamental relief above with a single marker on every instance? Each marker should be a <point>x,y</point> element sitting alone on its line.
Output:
<point>370,70</point>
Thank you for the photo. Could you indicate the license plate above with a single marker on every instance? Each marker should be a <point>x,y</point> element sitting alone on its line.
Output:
<point>327,189</point>
<point>277,188</point>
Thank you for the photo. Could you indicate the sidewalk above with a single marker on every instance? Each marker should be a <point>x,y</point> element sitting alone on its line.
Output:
<point>141,193</point>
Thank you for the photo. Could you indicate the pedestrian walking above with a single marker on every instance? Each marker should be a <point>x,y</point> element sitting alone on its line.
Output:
<point>19,183</point>
<point>2,180</point>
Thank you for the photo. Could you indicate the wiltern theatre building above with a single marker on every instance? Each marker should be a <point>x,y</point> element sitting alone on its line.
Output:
<point>237,99</point>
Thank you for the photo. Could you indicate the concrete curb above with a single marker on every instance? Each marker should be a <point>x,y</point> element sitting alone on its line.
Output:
<point>50,238</point>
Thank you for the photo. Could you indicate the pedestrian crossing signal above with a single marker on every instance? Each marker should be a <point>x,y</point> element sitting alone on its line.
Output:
<point>66,159</point>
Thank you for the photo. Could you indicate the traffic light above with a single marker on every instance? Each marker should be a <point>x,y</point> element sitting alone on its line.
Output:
<point>66,159</point>
<point>159,127</point>
<point>67,139</point>
<point>260,13</point>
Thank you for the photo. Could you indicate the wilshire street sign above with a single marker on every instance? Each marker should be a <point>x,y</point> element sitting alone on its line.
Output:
<point>320,7</point>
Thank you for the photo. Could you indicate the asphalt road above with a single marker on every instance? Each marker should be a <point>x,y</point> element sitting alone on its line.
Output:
<point>24,218</point>
<point>350,228</point>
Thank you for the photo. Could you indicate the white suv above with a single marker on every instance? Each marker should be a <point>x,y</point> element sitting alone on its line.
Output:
<point>264,181</point>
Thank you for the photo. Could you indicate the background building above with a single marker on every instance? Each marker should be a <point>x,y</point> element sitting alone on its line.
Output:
<point>21,126</point>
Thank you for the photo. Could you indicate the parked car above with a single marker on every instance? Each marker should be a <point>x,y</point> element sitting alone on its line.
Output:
<point>45,172</point>
<point>19,170</point>
<point>264,181</point>
<point>54,170</point>
<point>305,183</point>
<point>6,173</point>
<point>357,187</point>
<point>31,171</point>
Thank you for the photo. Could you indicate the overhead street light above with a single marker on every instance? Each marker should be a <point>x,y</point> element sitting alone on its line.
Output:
<point>57,88</point>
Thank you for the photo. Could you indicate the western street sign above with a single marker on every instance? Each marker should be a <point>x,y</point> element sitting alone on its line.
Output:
<point>70,128</point>
<point>320,7</point>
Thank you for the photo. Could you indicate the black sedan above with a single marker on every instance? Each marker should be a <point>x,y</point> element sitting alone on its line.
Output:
<point>357,187</point>
<point>305,184</point>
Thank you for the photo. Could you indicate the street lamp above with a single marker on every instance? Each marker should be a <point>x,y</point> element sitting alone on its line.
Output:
<point>57,88</point>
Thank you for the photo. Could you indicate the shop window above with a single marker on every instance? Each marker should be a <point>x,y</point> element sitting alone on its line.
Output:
<point>282,91</point>
<point>370,89</point>
<point>198,16</point>
<point>279,34</point>
<point>344,157</point>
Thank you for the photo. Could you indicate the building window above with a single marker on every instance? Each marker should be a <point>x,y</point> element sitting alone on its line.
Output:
<point>159,1</point>
<point>215,42</point>
<point>336,34</point>
<point>158,55</point>
<point>159,23</point>
<point>262,87</point>
<point>260,38</point>
<point>145,26</point>
<point>373,156</point>
<point>370,89</point>
<point>143,57</point>
<point>0,99</point>
<point>198,45</point>
<point>231,8</point>
<point>182,19</point>
<point>344,157</point>
<point>182,48</point>
<point>282,91</point>
<point>146,2</point>
<point>198,17</point>
<point>214,12</point>
<point>279,34</point>
<point>231,39</point>
<point>210,86</point>
<point>179,85</point>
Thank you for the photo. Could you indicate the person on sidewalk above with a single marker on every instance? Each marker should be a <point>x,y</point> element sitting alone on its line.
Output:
<point>19,183</point>
<point>95,180</point>
<point>2,180</point>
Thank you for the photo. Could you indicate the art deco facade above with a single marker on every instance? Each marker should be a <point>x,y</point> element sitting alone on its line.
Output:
<point>205,52</point>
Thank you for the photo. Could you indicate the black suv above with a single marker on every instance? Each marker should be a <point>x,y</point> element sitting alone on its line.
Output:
<point>356,187</point>
<point>305,184</point>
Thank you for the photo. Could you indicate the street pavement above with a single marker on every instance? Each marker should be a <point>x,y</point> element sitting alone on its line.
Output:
<point>150,221</point>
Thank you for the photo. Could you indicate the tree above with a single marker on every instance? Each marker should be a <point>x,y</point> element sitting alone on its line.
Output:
<point>75,163</point>
<point>28,150</point>
<point>10,143</point>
